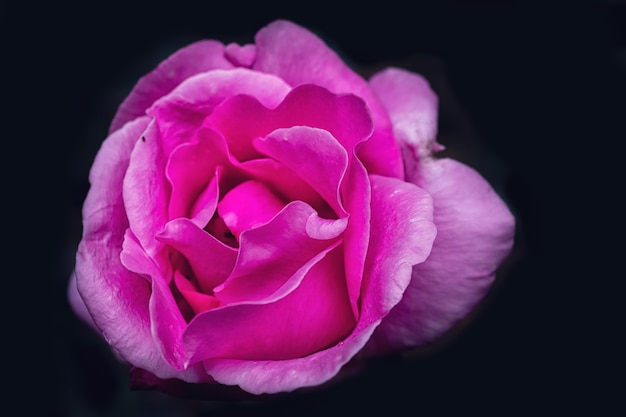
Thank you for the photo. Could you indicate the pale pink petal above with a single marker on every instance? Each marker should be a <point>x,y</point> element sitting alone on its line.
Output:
<point>402,233</point>
<point>77,304</point>
<point>248,205</point>
<point>116,298</point>
<point>299,57</point>
<point>271,254</point>
<point>312,154</point>
<point>193,59</point>
<point>312,317</point>
<point>474,234</point>
<point>209,259</point>
<point>240,55</point>
<point>413,107</point>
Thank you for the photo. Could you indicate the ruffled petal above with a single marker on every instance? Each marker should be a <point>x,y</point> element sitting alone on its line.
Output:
<point>193,59</point>
<point>180,113</point>
<point>210,260</point>
<point>402,235</point>
<point>102,281</point>
<point>271,255</point>
<point>312,317</point>
<point>474,234</point>
<point>313,155</point>
<point>192,171</point>
<point>345,116</point>
<point>299,57</point>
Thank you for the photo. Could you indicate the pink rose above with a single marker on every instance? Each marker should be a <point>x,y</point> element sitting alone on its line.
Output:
<point>261,214</point>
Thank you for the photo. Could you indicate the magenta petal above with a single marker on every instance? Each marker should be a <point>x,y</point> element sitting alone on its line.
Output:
<point>474,234</point>
<point>280,178</point>
<point>402,234</point>
<point>191,170</point>
<point>345,116</point>
<point>313,316</point>
<point>412,106</point>
<point>314,155</point>
<point>271,254</point>
<point>182,112</point>
<point>190,60</point>
<point>198,301</point>
<point>299,57</point>
<point>248,205</point>
<point>209,259</point>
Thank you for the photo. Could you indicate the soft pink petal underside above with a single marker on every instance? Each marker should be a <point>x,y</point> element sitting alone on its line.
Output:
<point>299,57</point>
<point>193,59</point>
<point>475,233</point>
<point>116,298</point>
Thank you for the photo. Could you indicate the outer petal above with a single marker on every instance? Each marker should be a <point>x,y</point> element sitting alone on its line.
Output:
<point>101,279</point>
<point>412,106</point>
<point>402,234</point>
<point>474,234</point>
<point>193,59</point>
<point>299,57</point>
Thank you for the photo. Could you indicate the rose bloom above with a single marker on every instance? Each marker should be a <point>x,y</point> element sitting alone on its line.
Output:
<point>259,215</point>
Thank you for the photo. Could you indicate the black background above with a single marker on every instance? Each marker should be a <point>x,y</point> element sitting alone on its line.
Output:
<point>538,93</point>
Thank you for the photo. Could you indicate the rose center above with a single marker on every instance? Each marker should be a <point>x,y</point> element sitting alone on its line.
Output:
<point>246,206</point>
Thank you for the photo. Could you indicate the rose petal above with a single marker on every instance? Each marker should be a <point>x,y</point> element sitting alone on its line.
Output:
<point>398,242</point>
<point>77,304</point>
<point>190,60</point>
<point>271,254</point>
<point>191,171</point>
<point>356,195</point>
<point>313,155</point>
<point>299,57</point>
<point>146,190</point>
<point>167,320</point>
<point>210,260</point>
<point>474,234</point>
<point>240,55</point>
<point>412,106</point>
<point>101,279</point>
<point>280,178</point>
<point>181,112</point>
<point>248,205</point>
<point>198,301</point>
<point>346,117</point>
<point>315,315</point>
